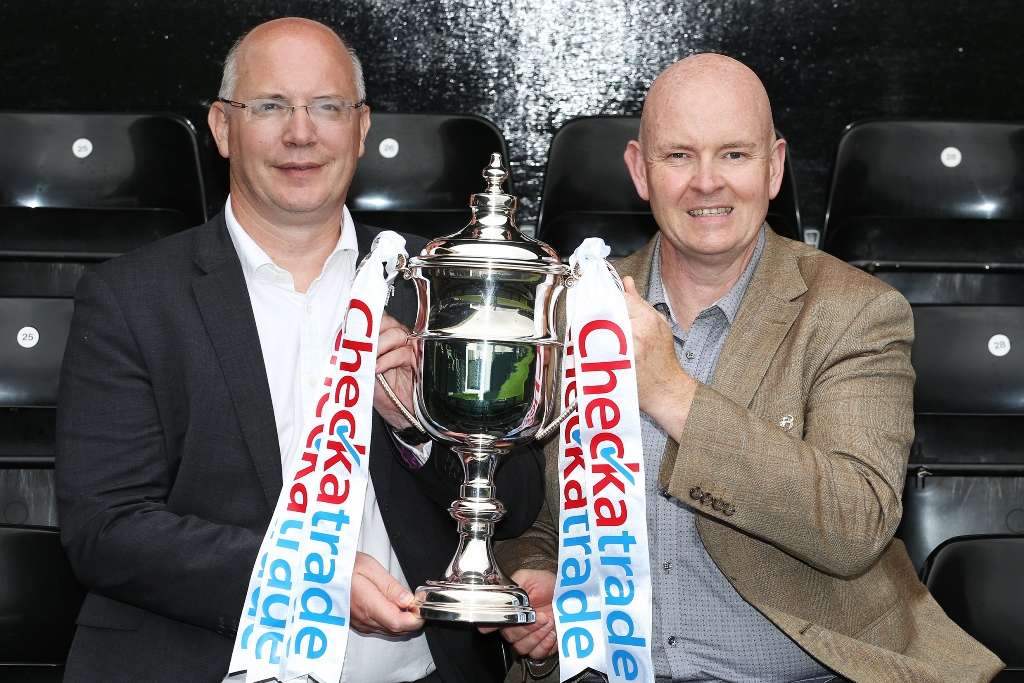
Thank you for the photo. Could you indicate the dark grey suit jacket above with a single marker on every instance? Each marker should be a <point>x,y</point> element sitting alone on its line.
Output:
<point>168,469</point>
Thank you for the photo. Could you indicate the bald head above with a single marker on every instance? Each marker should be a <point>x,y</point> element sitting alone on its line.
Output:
<point>286,28</point>
<point>707,160</point>
<point>707,77</point>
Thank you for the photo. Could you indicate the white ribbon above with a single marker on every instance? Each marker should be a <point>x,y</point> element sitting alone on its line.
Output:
<point>602,603</point>
<point>295,621</point>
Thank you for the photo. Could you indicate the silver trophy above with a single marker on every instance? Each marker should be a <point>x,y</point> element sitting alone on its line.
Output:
<point>488,359</point>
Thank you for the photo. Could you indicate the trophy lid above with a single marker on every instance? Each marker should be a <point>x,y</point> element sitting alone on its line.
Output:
<point>491,237</point>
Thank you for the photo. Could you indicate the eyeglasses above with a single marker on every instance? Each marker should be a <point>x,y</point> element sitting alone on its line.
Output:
<point>321,109</point>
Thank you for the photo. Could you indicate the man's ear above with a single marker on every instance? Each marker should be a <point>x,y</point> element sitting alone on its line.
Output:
<point>364,126</point>
<point>634,158</point>
<point>217,119</point>
<point>776,166</point>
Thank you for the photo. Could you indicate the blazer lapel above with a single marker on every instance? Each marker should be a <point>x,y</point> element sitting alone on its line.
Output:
<point>768,310</point>
<point>638,266</point>
<point>224,304</point>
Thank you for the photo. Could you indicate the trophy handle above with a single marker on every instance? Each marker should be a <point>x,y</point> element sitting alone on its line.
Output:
<point>401,267</point>
<point>546,430</point>
<point>572,277</point>
<point>398,403</point>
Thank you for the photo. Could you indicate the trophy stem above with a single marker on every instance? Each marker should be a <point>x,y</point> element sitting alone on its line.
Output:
<point>474,588</point>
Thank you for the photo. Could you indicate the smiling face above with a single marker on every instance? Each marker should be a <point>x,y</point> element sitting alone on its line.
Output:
<point>707,159</point>
<point>297,170</point>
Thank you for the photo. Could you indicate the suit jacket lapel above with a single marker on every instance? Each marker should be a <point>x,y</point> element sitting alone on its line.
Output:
<point>638,266</point>
<point>224,304</point>
<point>768,310</point>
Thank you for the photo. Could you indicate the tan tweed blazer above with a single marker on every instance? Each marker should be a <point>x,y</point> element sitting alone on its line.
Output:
<point>795,457</point>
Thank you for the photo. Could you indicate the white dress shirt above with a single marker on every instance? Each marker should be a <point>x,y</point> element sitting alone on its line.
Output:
<point>296,330</point>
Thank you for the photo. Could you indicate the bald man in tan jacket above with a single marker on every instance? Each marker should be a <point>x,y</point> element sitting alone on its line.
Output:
<point>792,456</point>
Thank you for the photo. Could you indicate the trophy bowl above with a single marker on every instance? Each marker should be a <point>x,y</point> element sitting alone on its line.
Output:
<point>486,375</point>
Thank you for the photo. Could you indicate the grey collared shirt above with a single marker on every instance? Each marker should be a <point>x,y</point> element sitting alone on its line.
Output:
<point>703,629</point>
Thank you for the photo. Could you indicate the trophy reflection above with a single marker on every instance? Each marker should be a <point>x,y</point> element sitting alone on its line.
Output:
<point>487,358</point>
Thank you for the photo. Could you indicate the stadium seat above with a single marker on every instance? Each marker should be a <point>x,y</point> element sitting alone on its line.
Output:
<point>39,602</point>
<point>969,360</point>
<point>588,191</point>
<point>85,187</point>
<point>418,171</point>
<point>977,581</point>
<point>33,333</point>
<point>939,507</point>
<point>76,189</point>
<point>933,207</point>
<point>967,462</point>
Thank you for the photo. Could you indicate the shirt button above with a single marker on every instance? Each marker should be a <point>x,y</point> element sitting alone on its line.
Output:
<point>671,641</point>
<point>667,566</point>
<point>690,355</point>
<point>309,309</point>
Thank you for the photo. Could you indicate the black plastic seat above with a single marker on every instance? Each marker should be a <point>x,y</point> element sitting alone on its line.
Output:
<point>967,462</point>
<point>39,602</point>
<point>933,207</point>
<point>938,507</point>
<point>977,581</point>
<point>89,186</point>
<point>969,359</point>
<point>418,171</point>
<point>588,191</point>
<point>76,189</point>
<point>33,333</point>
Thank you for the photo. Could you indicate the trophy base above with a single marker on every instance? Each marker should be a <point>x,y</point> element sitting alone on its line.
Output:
<point>497,605</point>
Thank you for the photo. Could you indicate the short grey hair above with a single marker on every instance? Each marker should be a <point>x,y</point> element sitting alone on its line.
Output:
<point>229,78</point>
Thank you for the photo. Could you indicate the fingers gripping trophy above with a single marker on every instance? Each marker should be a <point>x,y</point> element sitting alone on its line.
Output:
<point>488,357</point>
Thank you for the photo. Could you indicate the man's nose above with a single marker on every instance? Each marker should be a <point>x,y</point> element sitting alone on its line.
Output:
<point>706,178</point>
<point>300,129</point>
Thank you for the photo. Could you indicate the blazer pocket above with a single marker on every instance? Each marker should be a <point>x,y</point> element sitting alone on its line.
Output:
<point>102,612</point>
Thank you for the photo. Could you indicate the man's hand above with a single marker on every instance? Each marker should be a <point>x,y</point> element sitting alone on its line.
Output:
<point>536,640</point>
<point>380,604</point>
<point>396,360</point>
<point>663,387</point>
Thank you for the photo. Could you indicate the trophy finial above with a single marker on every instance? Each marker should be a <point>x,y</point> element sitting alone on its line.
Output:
<point>495,174</point>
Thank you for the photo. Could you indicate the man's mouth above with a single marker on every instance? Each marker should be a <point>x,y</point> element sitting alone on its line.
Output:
<point>298,166</point>
<point>711,211</point>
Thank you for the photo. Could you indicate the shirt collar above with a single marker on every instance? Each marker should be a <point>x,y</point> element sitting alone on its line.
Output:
<point>255,259</point>
<point>729,303</point>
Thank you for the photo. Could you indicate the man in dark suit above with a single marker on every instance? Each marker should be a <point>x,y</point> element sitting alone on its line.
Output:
<point>189,371</point>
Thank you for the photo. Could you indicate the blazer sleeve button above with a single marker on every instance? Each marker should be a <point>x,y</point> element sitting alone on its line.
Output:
<point>729,510</point>
<point>696,493</point>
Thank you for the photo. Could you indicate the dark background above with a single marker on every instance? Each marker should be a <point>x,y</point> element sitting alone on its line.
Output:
<point>532,64</point>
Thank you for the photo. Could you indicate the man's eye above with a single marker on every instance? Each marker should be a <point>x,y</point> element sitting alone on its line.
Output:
<point>735,156</point>
<point>678,155</point>
<point>329,107</point>
<point>267,107</point>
